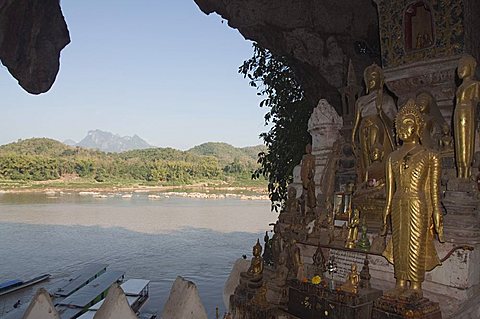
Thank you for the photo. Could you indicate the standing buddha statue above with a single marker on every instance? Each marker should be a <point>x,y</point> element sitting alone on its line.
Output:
<point>467,98</point>
<point>374,115</point>
<point>307,173</point>
<point>413,202</point>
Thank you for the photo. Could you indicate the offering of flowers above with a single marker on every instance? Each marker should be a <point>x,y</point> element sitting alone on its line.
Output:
<point>316,280</point>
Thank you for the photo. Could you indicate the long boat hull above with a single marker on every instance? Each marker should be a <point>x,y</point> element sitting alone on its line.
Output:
<point>25,284</point>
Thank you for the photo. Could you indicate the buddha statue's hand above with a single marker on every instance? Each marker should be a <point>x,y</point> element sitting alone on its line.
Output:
<point>384,230</point>
<point>440,234</point>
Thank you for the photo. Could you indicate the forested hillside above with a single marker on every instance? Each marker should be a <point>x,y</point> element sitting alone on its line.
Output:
<point>41,159</point>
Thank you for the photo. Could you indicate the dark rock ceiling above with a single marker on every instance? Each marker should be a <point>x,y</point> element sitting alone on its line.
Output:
<point>32,34</point>
<point>300,29</point>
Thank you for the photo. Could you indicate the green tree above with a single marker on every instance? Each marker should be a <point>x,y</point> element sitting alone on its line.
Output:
<point>288,113</point>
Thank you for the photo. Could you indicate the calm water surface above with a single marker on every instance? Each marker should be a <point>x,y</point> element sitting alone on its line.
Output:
<point>155,239</point>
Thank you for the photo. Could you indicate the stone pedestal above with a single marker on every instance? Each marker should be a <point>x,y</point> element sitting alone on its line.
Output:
<point>398,308</point>
<point>324,125</point>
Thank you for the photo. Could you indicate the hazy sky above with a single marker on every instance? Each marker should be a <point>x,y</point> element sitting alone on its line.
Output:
<point>160,69</point>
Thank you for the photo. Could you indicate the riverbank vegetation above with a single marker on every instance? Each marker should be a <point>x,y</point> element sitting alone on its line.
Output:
<point>38,162</point>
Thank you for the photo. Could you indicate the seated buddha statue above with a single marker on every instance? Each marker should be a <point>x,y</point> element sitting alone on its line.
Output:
<point>255,271</point>
<point>376,170</point>
<point>353,279</point>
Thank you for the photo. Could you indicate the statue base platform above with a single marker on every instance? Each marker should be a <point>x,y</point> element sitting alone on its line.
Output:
<point>307,301</point>
<point>399,308</point>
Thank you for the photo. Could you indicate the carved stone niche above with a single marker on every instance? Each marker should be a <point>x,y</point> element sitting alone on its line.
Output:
<point>436,76</point>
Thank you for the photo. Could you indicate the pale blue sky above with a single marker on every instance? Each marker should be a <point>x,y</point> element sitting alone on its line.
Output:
<point>159,69</point>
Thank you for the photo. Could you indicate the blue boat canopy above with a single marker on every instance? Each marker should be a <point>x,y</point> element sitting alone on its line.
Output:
<point>8,284</point>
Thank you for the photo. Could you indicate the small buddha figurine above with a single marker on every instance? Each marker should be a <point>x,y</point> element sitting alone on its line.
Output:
<point>268,251</point>
<point>291,205</point>
<point>353,223</point>
<point>446,141</point>
<point>467,98</point>
<point>255,271</point>
<point>295,264</point>
<point>364,243</point>
<point>376,171</point>
<point>365,275</point>
<point>307,173</point>
<point>319,262</point>
<point>330,228</point>
<point>353,279</point>
<point>277,243</point>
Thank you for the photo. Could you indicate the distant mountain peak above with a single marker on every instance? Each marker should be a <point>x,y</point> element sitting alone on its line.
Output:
<point>109,142</point>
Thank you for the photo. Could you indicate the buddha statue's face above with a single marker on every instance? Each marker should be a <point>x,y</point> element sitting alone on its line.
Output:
<point>372,80</point>
<point>376,154</point>
<point>407,128</point>
<point>464,69</point>
<point>423,101</point>
<point>257,250</point>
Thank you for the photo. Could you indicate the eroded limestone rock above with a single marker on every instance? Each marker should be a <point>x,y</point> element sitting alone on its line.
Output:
<point>41,307</point>
<point>115,306</point>
<point>241,265</point>
<point>184,302</point>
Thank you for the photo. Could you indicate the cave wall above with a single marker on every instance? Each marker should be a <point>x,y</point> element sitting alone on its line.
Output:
<point>317,37</point>
<point>32,34</point>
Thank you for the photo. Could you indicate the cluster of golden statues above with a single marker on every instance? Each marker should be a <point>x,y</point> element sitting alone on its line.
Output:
<point>398,153</point>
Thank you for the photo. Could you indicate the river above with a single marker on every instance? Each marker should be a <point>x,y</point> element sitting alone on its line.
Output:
<point>156,239</point>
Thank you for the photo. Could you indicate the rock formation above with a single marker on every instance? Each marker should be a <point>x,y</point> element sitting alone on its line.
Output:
<point>317,37</point>
<point>32,34</point>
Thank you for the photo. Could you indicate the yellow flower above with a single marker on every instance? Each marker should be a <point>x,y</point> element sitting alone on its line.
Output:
<point>316,280</point>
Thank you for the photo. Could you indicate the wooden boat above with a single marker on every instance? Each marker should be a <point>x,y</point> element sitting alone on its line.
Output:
<point>16,284</point>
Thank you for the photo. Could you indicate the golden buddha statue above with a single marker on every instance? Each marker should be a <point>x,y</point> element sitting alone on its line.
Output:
<point>374,114</point>
<point>376,170</point>
<point>434,121</point>
<point>413,202</point>
<point>307,174</point>
<point>467,98</point>
<point>255,271</point>
<point>353,279</point>
<point>353,223</point>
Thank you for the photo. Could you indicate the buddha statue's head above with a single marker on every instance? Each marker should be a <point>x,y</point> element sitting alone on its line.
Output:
<point>409,122</point>
<point>373,77</point>
<point>424,101</point>
<point>257,249</point>
<point>354,267</point>
<point>377,152</point>
<point>466,66</point>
